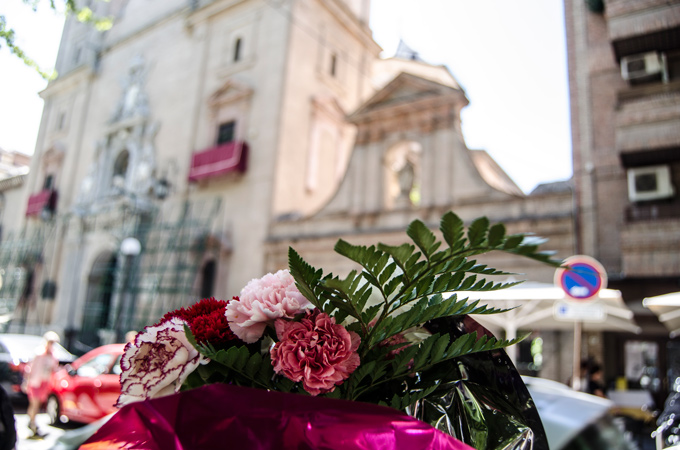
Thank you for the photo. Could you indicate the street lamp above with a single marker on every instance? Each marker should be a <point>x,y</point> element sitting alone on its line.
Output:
<point>130,247</point>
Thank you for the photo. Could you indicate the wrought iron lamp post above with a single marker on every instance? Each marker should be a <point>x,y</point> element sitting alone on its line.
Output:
<point>130,248</point>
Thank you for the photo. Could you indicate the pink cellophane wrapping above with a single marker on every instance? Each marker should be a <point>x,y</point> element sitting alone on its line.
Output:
<point>221,416</point>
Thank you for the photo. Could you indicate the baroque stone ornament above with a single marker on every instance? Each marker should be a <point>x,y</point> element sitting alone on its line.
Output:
<point>124,161</point>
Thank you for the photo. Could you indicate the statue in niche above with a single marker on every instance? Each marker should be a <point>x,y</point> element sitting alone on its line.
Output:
<point>133,102</point>
<point>88,188</point>
<point>144,163</point>
<point>406,177</point>
<point>402,162</point>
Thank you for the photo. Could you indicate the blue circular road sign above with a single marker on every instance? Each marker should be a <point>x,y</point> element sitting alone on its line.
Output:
<point>582,279</point>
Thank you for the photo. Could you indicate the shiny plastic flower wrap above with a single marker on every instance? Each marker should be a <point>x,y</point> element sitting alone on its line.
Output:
<point>393,334</point>
<point>223,416</point>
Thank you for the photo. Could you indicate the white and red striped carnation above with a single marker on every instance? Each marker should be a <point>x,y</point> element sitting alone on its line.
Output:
<point>157,362</point>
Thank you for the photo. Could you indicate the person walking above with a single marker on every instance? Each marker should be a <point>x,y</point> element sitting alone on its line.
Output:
<point>39,372</point>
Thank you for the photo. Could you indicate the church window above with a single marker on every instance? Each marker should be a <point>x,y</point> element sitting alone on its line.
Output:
<point>226,132</point>
<point>334,65</point>
<point>120,168</point>
<point>49,182</point>
<point>208,279</point>
<point>61,122</point>
<point>237,49</point>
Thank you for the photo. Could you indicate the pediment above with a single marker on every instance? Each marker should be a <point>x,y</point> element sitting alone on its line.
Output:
<point>54,154</point>
<point>230,92</point>
<point>328,105</point>
<point>406,88</point>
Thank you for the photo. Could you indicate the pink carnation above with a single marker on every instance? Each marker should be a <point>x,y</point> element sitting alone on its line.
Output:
<point>157,362</point>
<point>263,301</point>
<point>316,351</point>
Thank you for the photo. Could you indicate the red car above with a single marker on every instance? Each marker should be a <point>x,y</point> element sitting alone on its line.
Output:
<point>87,389</point>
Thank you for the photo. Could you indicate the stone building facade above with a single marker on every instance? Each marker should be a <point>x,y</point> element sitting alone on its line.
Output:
<point>186,126</point>
<point>183,151</point>
<point>410,162</point>
<point>624,77</point>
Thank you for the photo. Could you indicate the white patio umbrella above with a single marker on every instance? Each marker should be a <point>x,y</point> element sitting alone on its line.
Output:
<point>543,306</point>
<point>667,308</point>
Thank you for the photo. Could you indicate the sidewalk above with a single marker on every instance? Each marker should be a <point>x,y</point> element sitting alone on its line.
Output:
<point>51,433</point>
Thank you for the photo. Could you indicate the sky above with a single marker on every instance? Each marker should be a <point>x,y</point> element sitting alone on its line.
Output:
<point>509,56</point>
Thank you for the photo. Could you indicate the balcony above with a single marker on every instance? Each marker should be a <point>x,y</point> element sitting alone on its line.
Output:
<point>45,200</point>
<point>648,117</point>
<point>218,161</point>
<point>637,27</point>
<point>652,212</point>
<point>651,247</point>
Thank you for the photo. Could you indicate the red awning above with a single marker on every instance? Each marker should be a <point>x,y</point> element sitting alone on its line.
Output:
<point>216,161</point>
<point>37,202</point>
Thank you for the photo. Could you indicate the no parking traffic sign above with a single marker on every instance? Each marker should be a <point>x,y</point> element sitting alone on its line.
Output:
<point>583,278</point>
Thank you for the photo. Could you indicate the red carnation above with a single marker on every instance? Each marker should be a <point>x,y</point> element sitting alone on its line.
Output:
<point>207,321</point>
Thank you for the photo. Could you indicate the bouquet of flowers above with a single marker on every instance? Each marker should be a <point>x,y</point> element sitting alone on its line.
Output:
<point>386,334</point>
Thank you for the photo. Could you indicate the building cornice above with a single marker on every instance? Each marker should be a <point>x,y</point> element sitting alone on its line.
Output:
<point>71,80</point>
<point>352,23</point>
<point>12,182</point>
<point>208,11</point>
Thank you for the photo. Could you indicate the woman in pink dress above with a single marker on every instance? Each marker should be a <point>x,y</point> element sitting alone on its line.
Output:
<point>38,376</point>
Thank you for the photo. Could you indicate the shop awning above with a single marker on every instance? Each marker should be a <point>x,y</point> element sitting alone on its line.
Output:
<point>37,202</point>
<point>220,160</point>
<point>667,308</point>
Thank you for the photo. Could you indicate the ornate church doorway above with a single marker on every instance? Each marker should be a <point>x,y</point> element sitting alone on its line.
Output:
<point>100,287</point>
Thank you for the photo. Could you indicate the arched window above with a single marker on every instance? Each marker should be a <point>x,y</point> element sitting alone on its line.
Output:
<point>120,168</point>
<point>237,50</point>
<point>208,279</point>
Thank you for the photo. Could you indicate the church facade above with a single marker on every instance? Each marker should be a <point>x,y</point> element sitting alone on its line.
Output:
<point>187,126</point>
<point>182,152</point>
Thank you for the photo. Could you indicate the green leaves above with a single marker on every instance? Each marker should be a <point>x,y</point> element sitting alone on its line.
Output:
<point>388,302</point>
<point>405,286</point>
<point>398,290</point>
<point>68,7</point>
<point>243,367</point>
<point>236,364</point>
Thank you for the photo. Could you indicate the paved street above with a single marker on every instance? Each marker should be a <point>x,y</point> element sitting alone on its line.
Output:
<point>51,433</point>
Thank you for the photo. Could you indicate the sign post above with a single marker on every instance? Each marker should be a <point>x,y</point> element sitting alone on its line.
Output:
<point>581,280</point>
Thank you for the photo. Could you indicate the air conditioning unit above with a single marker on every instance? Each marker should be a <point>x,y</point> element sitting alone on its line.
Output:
<point>641,66</point>
<point>649,183</point>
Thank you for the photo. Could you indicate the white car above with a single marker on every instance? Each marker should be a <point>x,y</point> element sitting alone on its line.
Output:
<point>575,420</point>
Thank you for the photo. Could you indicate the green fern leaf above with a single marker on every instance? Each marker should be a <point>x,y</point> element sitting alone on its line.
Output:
<point>452,229</point>
<point>496,235</point>
<point>423,238</point>
<point>477,231</point>
<point>306,277</point>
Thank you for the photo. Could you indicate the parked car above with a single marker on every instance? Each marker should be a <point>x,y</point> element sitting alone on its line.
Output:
<point>575,420</point>
<point>16,351</point>
<point>87,389</point>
